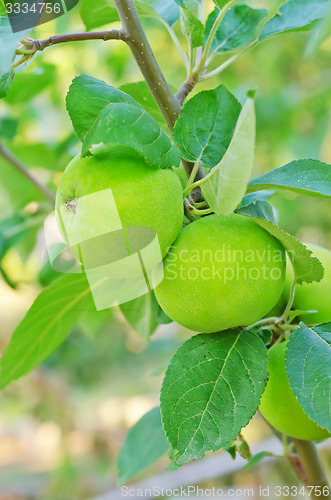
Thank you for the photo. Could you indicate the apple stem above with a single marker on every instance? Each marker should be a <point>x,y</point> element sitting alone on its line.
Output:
<point>312,471</point>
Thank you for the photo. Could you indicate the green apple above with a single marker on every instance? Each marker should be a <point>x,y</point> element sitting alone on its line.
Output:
<point>280,407</point>
<point>313,296</point>
<point>100,194</point>
<point>221,272</point>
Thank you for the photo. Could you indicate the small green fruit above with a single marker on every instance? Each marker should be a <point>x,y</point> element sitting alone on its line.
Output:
<point>280,407</point>
<point>144,197</point>
<point>221,272</point>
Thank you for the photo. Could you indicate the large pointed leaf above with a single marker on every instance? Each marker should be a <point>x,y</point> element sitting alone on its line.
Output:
<point>295,14</point>
<point>306,267</point>
<point>212,389</point>
<point>309,177</point>
<point>308,367</point>
<point>45,327</point>
<point>226,184</point>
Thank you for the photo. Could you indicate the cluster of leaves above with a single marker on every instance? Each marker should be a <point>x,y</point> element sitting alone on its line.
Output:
<point>213,384</point>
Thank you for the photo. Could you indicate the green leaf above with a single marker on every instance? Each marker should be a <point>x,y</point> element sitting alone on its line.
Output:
<point>141,313</point>
<point>263,195</point>
<point>295,14</point>
<point>266,335</point>
<point>256,459</point>
<point>164,9</point>
<point>306,267</point>
<point>5,83</point>
<point>87,97</point>
<point>122,124</point>
<point>8,235</point>
<point>204,130</point>
<point>161,317</point>
<point>320,32</point>
<point>309,177</point>
<point>26,85</point>
<point>141,93</point>
<point>212,389</point>
<point>13,229</point>
<point>45,326</point>
<point>226,184</point>
<point>308,367</point>
<point>238,27</point>
<point>8,44</point>
<point>192,28</point>
<point>144,444</point>
<point>258,209</point>
<point>191,5</point>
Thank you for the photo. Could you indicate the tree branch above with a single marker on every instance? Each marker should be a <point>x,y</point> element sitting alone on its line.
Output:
<point>28,46</point>
<point>19,165</point>
<point>185,89</point>
<point>77,37</point>
<point>144,56</point>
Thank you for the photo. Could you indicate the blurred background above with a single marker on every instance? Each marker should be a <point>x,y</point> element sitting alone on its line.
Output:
<point>63,425</point>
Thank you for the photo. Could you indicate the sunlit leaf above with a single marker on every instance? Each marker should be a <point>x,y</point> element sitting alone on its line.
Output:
<point>226,184</point>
